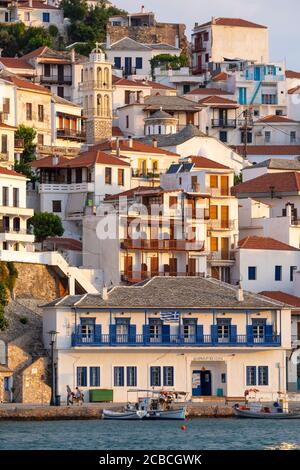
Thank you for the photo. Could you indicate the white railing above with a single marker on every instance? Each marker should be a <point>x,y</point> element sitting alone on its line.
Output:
<point>64,187</point>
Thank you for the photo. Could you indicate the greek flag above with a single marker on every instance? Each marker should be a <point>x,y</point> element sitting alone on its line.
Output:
<point>169,317</point>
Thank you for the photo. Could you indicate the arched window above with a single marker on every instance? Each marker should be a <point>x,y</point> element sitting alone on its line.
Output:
<point>106,83</point>
<point>99,105</point>
<point>16,247</point>
<point>16,224</point>
<point>91,74</point>
<point>91,105</point>
<point>99,77</point>
<point>106,106</point>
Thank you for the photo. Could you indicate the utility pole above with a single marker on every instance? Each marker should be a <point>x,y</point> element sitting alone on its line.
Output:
<point>248,118</point>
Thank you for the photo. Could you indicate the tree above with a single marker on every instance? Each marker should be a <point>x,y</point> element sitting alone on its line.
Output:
<point>16,39</point>
<point>238,178</point>
<point>46,224</point>
<point>23,166</point>
<point>169,61</point>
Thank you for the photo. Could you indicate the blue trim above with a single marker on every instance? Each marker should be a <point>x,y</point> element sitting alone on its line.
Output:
<point>96,376</point>
<point>250,370</point>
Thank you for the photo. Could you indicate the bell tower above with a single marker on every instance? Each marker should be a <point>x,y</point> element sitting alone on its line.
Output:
<point>96,90</point>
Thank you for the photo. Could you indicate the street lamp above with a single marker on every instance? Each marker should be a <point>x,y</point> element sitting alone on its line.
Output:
<point>52,335</point>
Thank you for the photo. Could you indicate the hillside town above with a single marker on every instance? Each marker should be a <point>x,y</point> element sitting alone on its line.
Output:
<point>150,188</point>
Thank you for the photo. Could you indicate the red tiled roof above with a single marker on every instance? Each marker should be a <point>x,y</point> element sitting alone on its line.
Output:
<point>274,118</point>
<point>126,82</point>
<point>16,63</point>
<point>209,92</point>
<point>116,132</point>
<point>6,171</point>
<point>85,159</point>
<point>268,149</point>
<point>294,90</point>
<point>282,297</point>
<point>67,243</point>
<point>129,193</point>
<point>48,162</point>
<point>220,77</point>
<point>270,182</point>
<point>215,100</point>
<point>203,162</point>
<point>292,74</point>
<point>35,53</point>
<point>25,84</point>
<point>37,4</point>
<point>264,243</point>
<point>232,22</point>
<point>155,85</point>
<point>6,126</point>
<point>137,146</point>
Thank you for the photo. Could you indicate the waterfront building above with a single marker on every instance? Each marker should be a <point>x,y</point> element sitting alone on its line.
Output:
<point>197,335</point>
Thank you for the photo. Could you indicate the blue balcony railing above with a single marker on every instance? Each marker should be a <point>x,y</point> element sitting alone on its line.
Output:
<point>97,339</point>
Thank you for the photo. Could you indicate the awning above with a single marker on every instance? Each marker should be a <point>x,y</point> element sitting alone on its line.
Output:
<point>75,204</point>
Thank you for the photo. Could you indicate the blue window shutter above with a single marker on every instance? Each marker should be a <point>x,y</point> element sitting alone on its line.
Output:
<point>214,333</point>
<point>200,337</point>
<point>165,373</point>
<point>151,376</point>
<point>84,377</point>
<point>132,334</point>
<point>146,333</point>
<point>269,333</point>
<point>159,377</point>
<point>166,333</point>
<point>139,63</point>
<point>250,334</point>
<point>115,376</point>
<point>78,375</point>
<point>122,376</point>
<point>249,369</point>
<point>233,334</point>
<point>98,332</point>
<point>112,333</point>
<point>267,375</point>
<point>134,377</point>
<point>241,96</point>
<point>117,62</point>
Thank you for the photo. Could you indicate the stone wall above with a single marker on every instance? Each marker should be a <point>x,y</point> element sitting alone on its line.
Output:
<point>38,281</point>
<point>34,383</point>
<point>98,129</point>
<point>161,32</point>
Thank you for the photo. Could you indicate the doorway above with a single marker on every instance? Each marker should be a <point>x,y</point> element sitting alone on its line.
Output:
<point>201,383</point>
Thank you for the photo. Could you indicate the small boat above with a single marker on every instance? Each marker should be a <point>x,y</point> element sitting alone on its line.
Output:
<point>124,415</point>
<point>263,412</point>
<point>178,414</point>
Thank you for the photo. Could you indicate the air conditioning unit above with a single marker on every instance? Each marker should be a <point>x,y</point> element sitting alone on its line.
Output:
<point>259,134</point>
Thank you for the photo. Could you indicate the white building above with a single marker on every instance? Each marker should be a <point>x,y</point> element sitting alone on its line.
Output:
<point>228,38</point>
<point>132,58</point>
<point>222,343</point>
<point>14,234</point>
<point>276,130</point>
<point>67,126</point>
<point>180,79</point>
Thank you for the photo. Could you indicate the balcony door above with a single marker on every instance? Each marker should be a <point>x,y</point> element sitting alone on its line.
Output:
<point>60,73</point>
<point>189,330</point>
<point>87,330</point>
<point>224,186</point>
<point>122,330</point>
<point>224,217</point>
<point>154,266</point>
<point>223,117</point>
<point>155,330</point>
<point>128,263</point>
<point>259,330</point>
<point>128,66</point>
<point>173,266</point>
<point>191,267</point>
<point>225,248</point>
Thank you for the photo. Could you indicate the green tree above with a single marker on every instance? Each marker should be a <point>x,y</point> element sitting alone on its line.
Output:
<point>169,61</point>
<point>28,135</point>
<point>53,30</point>
<point>16,39</point>
<point>46,224</point>
<point>238,178</point>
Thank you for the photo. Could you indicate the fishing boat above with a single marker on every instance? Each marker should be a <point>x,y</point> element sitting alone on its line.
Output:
<point>155,405</point>
<point>259,411</point>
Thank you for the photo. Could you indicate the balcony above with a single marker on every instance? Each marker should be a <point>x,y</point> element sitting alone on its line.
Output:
<point>146,340</point>
<point>224,123</point>
<point>146,174</point>
<point>137,276</point>
<point>217,192</point>
<point>162,245</point>
<point>198,47</point>
<point>221,224</point>
<point>60,187</point>
<point>219,256</point>
<point>70,134</point>
<point>65,79</point>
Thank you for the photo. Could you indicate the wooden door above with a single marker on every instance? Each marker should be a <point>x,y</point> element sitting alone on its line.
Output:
<point>225,248</point>
<point>154,266</point>
<point>215,272</point>
<point>192,267</point>
<point>224,186</point>
<point>298,330</point>
<point>128,263</point>
<point>214,245</point>
<point>173,266</point>
<point>224,217</point>
<point>60,122</point>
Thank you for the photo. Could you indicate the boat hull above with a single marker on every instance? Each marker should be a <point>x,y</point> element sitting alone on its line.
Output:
<point>121,415</point>
<point>252,415</point>
<point>166,414</point>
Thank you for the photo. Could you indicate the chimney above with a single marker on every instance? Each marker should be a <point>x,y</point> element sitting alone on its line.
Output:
<point>196,25</point>
<point>30,3</point>
<point>288,209</point>
<point>154,142</point>
<point>104,293</point>
<point>73,55</point>
<point>143,9</point>
<point>240,294</point>
<point>236,241</point>
<point>55,160</point>
<point>130,142</point>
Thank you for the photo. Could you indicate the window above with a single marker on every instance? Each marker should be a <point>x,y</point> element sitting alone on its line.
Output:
<point>27,16</point>
<point>206,36</point>
<point>206,58</point>
<point>213,212</point>
<point>173,201</point>
<point>279,112</point>
<point>117,62</point>
<point>5,246</point>
<point>78,175</point>
<point>242,95</point>
<point>4,146</point>
<point>155,379</point>
<point>249,137</point>
<point>256,113</point>
<point>267,137</point>
<point>94,376</point>
<point>186,88</point>
<point>155,330</point>
<point>60,91</point>
<point>6,105</point>
<point>263,375</point>
<point>223,136</point>
<point>87,327</point>
<point>119,376</point>
<point>293,269</point>
<point>213,181</point>
<point>47,70</point>
<point>189,330</point>
<point>40,139</point>
<point>168,376</point>
<point>5,196</point>
<point>29,111</point>
<point>81,376</point>
<point>269,99</point>
<point>223,328</point>
<point>46,17</point>
<point>214,244</point>
<point>121,177</point>
<point>293,137</point>
<point>259,327</point>
<point>56,206</point>
<point>127,122</point>
<point>223,378</point>
<point>252,273</point>
<point>127,96</point>
<point>131,376</point>
<point>15,197</point>
<point>139,63</point>
<point>41,113</point>
<point>250,376</point>
<point>108,174</point>
<point>278,273</point>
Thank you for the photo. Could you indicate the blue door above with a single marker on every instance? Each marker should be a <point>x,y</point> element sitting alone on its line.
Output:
<point>257,74</point>
<point>206,383</point>
<point>196,383</point>
<point>128,66</point>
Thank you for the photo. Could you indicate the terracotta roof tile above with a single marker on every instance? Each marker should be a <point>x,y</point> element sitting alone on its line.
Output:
<point>218,100</point>
<point>85,159</point>
<point>116,132</point>
<point>137,146</point>
<point>209,92</point>
<point>26,84</point>
<point>264,243</point>
<point>220,77</point>
<point>294,90</point>
<point>274,118</point>
<point>268,149</point>
<point>292,74</point>
<point>283,297</point>
<point>232,22</point>
<point>16,63</point>
<point>6,171</point>
<point>203,162</point>
<point>270,182</point>
<point>129,193</point>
